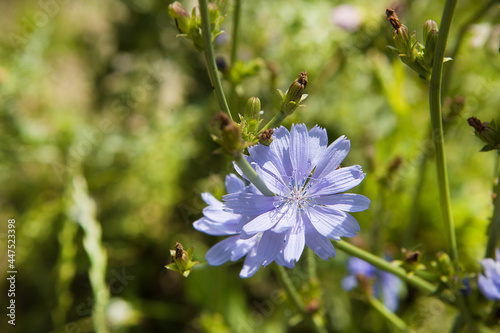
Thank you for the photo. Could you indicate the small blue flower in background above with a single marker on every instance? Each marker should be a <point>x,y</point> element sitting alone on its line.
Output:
<point>489,283</point>
<point>308,208</point>
<point>385,285</point>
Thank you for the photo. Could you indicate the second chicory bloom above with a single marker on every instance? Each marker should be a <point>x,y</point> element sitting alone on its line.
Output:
<point>489,283</point>
<point>385,285</point>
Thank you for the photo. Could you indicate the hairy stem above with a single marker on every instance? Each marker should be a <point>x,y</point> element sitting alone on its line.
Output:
<point>210,58</point>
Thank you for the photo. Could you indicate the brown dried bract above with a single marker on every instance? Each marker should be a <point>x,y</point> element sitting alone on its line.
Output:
<point>395,164</point>
<point>223,118</point>
<point>179,250</point>
<point>412,257</point>
<point>266,135</point>
<point>392,18</point>
<point>477,124</point>
<point>312,307</point>
<point>303,78</point>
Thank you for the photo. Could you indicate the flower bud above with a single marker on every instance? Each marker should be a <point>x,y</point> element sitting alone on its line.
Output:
<point>444,266</point>
<point>252,109</point>
<point>429,26</point>
<point>431,37</point>
<point>489,133</point>
<point>181,260</point>
<point>294,95</point>
<point>180,16</point>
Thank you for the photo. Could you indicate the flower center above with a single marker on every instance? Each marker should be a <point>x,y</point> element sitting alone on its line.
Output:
<point>297,198</point>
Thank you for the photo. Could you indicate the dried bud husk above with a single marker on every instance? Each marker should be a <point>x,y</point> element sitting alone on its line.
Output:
<point>412,257</point>
<point>229,134</point>
<point>180,16</point>
<point>294,95</point>
<point>182,260</point>
<point>364,283</point>
<point>266,136</point>
<point>489,133</point>
<point>410,51</point>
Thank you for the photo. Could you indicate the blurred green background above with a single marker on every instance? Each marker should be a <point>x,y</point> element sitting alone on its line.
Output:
<point>105,124</point>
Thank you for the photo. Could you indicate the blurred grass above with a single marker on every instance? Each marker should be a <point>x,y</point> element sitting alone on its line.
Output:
<point>106,89</point>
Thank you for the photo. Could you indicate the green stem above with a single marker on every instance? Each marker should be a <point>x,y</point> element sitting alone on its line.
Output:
<point>234,35</point>
<point>252,176</point>
<point>275,122</point>
<point>391,317</point>
<point>437,127</point>
<point>465,315</point>
<point>410,229</point>
<point>311,266</point>
<point>494,229</point>
<point>210,58</point>
<point>234,51</point>
<point>295,297</point>
<point>385,265</point>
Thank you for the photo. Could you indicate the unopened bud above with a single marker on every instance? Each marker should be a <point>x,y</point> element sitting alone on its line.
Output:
<point>295,94</point>
<point>429,26</point>
<point>180,16</point>
<point>444,263</point>
<point>431,37</point>
<point>252,109</point>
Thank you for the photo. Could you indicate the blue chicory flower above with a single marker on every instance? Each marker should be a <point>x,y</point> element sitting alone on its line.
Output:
<point>217,222</point>
<point>308,208</point>
<point>385,285</point>
<point>489,283</point>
